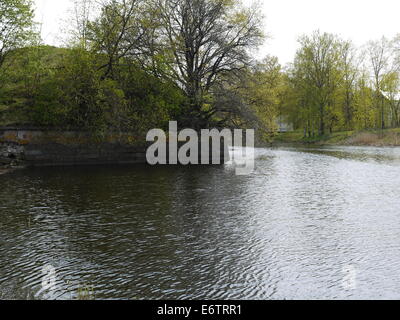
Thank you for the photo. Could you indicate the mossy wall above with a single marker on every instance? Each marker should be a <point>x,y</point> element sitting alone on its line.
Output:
<point>40,147</point>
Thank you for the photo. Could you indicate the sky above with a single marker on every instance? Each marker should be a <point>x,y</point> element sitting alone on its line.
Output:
<point>286,20</point>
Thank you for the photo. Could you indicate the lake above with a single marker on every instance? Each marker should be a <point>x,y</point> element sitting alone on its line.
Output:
<point>308,223</point>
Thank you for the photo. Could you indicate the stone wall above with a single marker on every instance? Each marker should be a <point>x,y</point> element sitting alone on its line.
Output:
<point>39,147</point>
<point>36,147</point>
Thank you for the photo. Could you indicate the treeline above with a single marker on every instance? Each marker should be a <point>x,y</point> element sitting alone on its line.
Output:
<point>137,64</point>
<point>134,65</point>
<point>333,85</point>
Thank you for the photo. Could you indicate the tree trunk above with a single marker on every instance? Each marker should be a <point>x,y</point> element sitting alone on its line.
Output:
<point>322,120</point>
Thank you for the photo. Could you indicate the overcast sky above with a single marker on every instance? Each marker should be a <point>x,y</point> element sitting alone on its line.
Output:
<point>359,20</point>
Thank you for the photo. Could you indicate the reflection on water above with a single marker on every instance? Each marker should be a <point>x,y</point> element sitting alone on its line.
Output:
<point>308,223</point>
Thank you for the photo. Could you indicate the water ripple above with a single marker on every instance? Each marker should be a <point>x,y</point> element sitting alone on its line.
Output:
<point>290,230</point>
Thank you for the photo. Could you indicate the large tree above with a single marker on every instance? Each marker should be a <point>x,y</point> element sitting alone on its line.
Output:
<point>205,41</point>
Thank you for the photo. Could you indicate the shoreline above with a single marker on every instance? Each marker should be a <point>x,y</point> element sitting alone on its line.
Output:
<point>368,138</point>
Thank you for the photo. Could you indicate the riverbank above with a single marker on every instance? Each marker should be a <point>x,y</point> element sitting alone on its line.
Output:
<point>50,147</point>
<point>373,138</point>
<point>26,147</point>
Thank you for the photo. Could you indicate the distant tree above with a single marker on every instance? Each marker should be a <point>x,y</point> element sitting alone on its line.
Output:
<point>350,70</point>
<point>364,106</point>
<point>317,70</point>
<point>391,91</point>
<point>380,54</point>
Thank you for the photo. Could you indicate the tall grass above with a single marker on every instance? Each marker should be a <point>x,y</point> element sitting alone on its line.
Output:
<point>383,138</point>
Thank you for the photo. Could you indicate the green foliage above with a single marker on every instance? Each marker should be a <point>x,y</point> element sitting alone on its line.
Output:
<point>28,72</point>
<point>16,26</point>
<point>151,101</point>
<point>125,69</point>
<point>80,89</point>
<point>263,93</point>
<point>139,64</point>
<point>206,42</point>
<point>327,91</point>
<point>51,87</point>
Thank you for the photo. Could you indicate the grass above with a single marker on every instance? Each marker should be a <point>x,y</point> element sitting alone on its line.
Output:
<point>380,138</point>
<point>289,137</point>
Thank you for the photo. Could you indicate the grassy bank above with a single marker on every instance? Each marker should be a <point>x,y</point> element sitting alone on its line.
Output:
<point>378,138</point>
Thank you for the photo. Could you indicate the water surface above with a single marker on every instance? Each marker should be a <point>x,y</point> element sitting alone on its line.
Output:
<point>307,224</point>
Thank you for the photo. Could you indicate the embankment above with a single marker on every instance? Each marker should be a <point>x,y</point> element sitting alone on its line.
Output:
<point>24,147</point>
<point>373,138</point>
<point>46,147</point>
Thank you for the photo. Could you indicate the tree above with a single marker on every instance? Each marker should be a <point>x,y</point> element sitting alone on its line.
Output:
<point>300,103</point>
<point>249,99</point>
<point>390,91</point>
<point>205,40</point>
<point>379,53</point>
<point>262,91</point>
<point>118,32</point>
<point>316,68</point>
<point>16,26</point>
<point>349,66</point>
<point>364,107</point>
<point>81,18</point>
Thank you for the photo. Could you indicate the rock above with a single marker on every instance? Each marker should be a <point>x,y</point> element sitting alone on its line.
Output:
<point>11,154</point>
